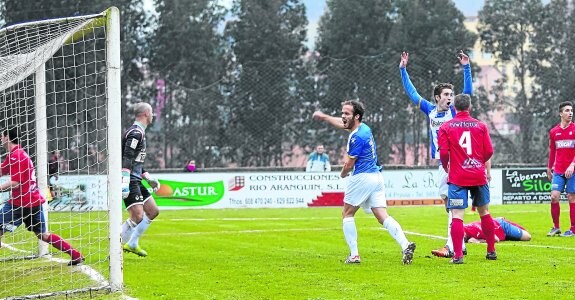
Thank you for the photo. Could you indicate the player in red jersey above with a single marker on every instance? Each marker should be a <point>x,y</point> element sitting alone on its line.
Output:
<point>560,167</point>
<point>505,230</point>
<point>464,148</point>
<point>25,204</point>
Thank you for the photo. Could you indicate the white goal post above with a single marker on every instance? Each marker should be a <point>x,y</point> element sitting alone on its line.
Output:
<point>60,87</point>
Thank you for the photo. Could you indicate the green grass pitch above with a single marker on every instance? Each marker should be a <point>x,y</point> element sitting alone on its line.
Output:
<point>298,254</point>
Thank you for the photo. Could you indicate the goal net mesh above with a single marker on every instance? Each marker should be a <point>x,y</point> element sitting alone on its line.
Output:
<point>53,89</point>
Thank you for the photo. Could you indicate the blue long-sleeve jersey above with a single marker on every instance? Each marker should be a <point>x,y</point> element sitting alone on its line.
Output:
<point>436,118</point>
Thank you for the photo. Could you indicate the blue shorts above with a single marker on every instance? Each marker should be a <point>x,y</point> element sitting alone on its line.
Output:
<point>562,184</point>
<point>512,232</point>
<point>11,217</point>
<point>457,196</point>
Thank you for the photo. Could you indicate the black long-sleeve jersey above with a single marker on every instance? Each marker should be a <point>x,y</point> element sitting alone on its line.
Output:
<point>134,151</point>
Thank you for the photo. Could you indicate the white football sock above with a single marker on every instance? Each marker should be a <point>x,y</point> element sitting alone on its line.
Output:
<point>350,233</point>
<point>138,231</point>
<point>449,240</point>
<point>127,229</point>
<point>396,232</point>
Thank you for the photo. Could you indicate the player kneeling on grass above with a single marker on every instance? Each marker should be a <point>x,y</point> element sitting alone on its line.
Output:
<point>464,148</point>
<point>504,229</point>
<point>25,204</point>
<point>365,187</point>
<point>139,203</point>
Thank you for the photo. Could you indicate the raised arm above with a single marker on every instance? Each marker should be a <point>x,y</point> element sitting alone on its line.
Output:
<point>407,85</point>
<point>333,121</point>
<point>467,80</point>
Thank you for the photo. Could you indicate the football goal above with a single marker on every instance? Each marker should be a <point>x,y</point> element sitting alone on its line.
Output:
<point>60,87</point>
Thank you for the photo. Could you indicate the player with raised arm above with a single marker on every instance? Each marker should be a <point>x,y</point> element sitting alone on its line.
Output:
<point>25,203</point>
<point>561,165</point>
<point>464,149</point>
<point>365,187</point>
<point>438,113</point>
<point>140,204</point>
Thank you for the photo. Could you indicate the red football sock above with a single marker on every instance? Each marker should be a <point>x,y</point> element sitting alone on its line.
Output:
<point>488,231</point>
<point>457,237</point>
<point>555,212</point>
<point>572,215</point>
<point>60,244</point>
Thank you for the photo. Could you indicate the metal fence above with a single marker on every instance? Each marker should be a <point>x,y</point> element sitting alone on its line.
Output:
<point>259,115</point>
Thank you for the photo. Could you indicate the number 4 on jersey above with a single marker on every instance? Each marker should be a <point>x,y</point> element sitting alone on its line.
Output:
<point>465,142</point>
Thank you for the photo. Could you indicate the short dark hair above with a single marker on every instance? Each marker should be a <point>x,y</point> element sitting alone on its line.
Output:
<point>440,87</point>
<point>563,104</point>
<point>462,102</point>
<point>12,134</point>
<point>358,108</point>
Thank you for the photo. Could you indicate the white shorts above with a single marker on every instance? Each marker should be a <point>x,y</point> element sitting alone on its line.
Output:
<point>443,186</point>
<point>366,190</point>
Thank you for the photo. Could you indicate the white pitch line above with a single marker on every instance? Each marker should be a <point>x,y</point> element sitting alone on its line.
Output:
<point>520,244</point>
<point>437,237</point>
<point>10,247</point>
<point>226,219</point>
<point>253,219</point>
<point>93,274</point>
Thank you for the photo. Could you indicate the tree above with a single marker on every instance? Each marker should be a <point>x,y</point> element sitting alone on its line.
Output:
<point>361,42</point>
<point>186,57</point>
<point>553,63</point>
<point>507,29</point>
<point>266,40</point>
<point>134,22</point>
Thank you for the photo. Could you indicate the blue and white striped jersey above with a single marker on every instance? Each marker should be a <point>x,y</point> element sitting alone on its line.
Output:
<point>436,118</point>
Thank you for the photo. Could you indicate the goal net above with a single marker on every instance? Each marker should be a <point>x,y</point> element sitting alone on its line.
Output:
<point>60,87</point>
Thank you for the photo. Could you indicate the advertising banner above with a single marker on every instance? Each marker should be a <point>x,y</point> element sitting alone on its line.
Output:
<point>294,189</point>
<point>264,189</point>
<point>529,185</point>
<point>244,190</point>
<point>79,193</point>
<point>73,193</point>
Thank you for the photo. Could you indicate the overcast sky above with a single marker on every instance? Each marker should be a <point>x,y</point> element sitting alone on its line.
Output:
<point>315,9</point>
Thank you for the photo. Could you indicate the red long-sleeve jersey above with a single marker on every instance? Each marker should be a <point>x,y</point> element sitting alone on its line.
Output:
<point>19,166</point>
<point>465,146</point>
<point>561,148</point>
<point>474,230</point>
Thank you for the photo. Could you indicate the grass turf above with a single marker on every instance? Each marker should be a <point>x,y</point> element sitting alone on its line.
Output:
<point>298,254</point>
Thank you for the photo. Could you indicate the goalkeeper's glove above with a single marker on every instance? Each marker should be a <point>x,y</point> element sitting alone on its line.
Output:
<point>153,182</point>
<point>125,183</point>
